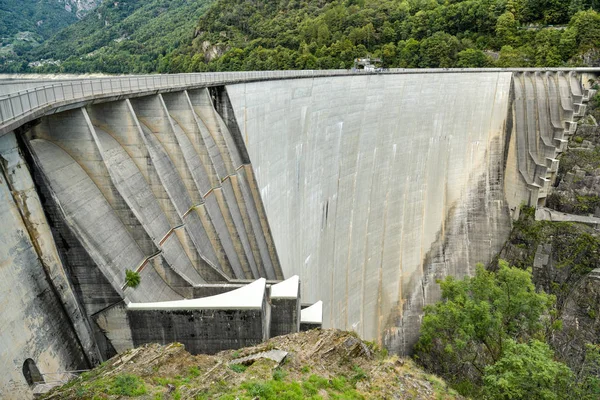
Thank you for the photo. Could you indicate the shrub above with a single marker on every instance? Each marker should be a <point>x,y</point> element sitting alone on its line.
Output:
<point>468,330</point>
<point>132,278</point>
<point>527,371</point>
<point>127,385</point>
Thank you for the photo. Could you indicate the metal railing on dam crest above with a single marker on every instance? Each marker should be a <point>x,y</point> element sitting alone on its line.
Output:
<point>42,96</point>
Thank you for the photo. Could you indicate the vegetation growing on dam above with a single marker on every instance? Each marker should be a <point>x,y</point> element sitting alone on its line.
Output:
<point>135,36</point>
<point>321,364</point>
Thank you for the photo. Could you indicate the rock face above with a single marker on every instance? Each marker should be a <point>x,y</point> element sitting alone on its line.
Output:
<point>578,299</point>
<point>577,188</point>
<point>80,7</point>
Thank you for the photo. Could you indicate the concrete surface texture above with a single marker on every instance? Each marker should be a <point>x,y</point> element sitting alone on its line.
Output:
<point>544,114</point>
<point>376,186</point>
<point>207,325</point>
<point>246,297</point>
<point>285,306</point>
<point>35,325</point>
<point>367,187</point>
<point>312,314</point>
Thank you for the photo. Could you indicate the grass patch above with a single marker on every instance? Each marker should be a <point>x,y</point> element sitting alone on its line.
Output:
<point>359,375</point>
<point>239,368</point>
<point>279,374</point>
<point>120,385</point>
<point>128,385</point>
<point>337,388</point>
<point>194,372</point>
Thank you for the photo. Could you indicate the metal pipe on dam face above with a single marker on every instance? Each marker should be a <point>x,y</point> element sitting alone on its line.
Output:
<point>375,186</point>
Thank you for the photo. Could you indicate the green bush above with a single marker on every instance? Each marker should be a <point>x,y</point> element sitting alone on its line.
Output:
<point>527,371</point>
<point>279,374</point>
<point>468,330</point>
<point>132,278</point>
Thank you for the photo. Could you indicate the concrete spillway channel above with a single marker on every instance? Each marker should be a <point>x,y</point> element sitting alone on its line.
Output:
<point>368,187</point>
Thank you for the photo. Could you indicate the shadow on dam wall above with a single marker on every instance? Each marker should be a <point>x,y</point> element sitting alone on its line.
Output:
<point>376,186</point>
<point>370,188</point>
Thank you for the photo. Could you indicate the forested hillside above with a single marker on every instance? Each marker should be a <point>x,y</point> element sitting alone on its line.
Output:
<point>126,36</point>
<point>26,23</point>
<point>133,36</point>
<point>407,33</point>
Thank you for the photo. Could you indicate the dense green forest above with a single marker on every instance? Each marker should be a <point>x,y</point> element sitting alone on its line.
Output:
<point>26,23</point>
<point>134,36</point>
<point>407,33</point>
<point>127,36</point>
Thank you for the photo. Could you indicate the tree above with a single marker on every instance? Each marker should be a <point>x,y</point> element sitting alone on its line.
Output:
<point>511,57</point>
<point>586,25</point>
<point>468,330</point>
<point>588,374</point>
<point>472,58</point>
<point>506,28</point>
<point>547,53</point>
<point>439,51</point>
<point>132,278</point>
<point>409,53</point>
<point>527,371</point>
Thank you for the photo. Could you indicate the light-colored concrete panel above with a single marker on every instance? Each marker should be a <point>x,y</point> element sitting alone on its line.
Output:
<point>366,179</point>
<point>136,191</point>
<point>33,322</point>
<point>88,213</point>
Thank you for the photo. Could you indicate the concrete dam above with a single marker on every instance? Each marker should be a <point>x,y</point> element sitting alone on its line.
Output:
<point>368,187</point>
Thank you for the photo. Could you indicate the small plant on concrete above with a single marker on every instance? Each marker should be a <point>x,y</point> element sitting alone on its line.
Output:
<point>132,278</point>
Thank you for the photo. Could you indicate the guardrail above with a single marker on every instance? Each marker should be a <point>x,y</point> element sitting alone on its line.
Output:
<point>16,107</point>
<point>22,106</point>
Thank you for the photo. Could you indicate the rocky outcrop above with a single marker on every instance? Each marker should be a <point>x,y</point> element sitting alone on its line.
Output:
<point>80,7</point>
<point>577,185</point>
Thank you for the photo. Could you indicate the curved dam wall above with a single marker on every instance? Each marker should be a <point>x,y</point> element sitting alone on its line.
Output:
<point>369,187</point>
<point>376,186</point>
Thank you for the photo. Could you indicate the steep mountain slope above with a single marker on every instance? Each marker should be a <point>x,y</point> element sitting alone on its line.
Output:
<point>133,36</point>
<point>125,36</point>
<point>25,23</point>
